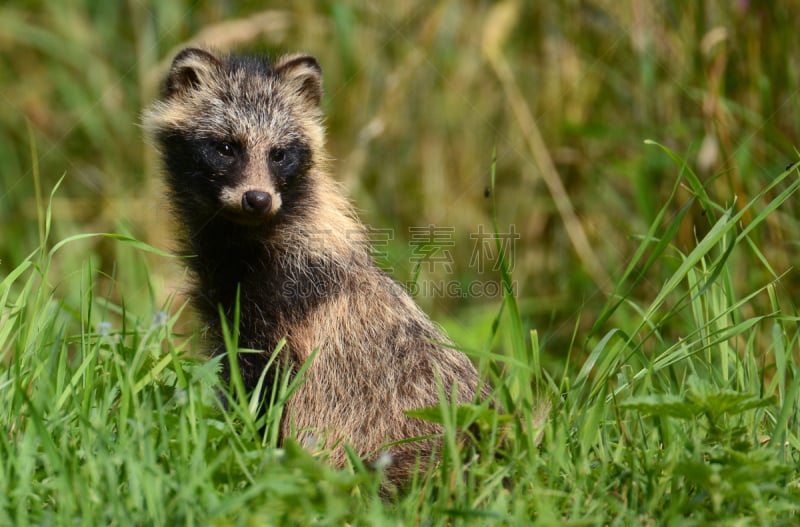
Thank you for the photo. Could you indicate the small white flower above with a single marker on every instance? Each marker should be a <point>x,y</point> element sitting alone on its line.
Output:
<point>383,461</point>
<point>104,328</point>
<point>160,319</point>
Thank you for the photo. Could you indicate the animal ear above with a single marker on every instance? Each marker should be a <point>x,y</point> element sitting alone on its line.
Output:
<point>304,73</point>
<point>191,70</point>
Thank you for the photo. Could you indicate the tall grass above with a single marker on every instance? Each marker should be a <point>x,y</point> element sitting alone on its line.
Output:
<point>654,304</point>
<point>685,409</point>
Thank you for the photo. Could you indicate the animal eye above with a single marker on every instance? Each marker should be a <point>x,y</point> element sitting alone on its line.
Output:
<point>224,149</point>
<point>277,155</point>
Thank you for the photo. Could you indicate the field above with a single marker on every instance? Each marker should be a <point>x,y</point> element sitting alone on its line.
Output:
<point>597,201</point>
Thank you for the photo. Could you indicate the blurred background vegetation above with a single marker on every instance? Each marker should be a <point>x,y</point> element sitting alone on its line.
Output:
<point>418,94</point>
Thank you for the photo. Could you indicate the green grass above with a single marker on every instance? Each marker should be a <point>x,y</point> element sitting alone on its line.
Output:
<point>108,419</point>
<point>655,304</point>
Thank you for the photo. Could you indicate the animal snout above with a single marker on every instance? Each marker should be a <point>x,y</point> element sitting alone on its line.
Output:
<point>256,202</point>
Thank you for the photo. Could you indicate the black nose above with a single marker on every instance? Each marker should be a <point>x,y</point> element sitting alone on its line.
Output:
<point>256,202</point>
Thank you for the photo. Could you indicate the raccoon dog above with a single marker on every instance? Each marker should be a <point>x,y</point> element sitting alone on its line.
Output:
<point>242,143</point>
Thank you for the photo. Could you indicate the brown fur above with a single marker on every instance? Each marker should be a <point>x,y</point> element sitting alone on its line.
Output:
<point>302,263</point>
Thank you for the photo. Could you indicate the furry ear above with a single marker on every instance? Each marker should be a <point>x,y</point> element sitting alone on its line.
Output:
<point>305,74</point>
<point>189,71</point>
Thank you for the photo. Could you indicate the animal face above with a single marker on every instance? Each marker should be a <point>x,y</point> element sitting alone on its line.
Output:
<point>238,135</point>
